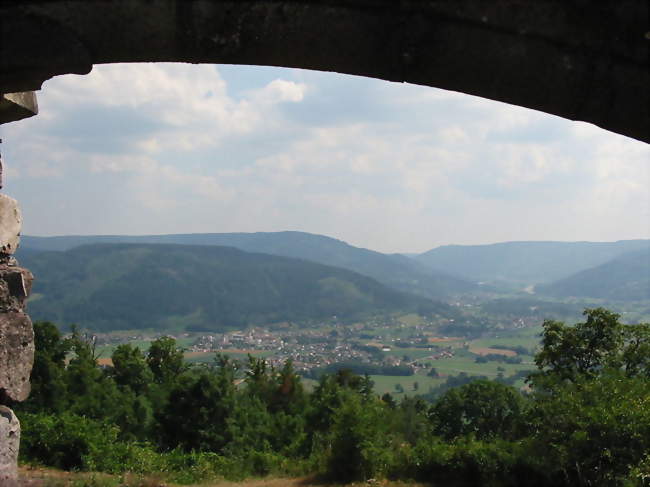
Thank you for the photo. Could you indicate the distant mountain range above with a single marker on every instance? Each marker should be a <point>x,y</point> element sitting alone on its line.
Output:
<point>525,263</point>
<point>625,278</point>
<point>138,286</point>
<point>394,270</point>
<point>602,270</point>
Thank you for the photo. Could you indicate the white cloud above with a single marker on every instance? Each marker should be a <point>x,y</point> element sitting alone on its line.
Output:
<point>160,148</point>
<point>282,91</point>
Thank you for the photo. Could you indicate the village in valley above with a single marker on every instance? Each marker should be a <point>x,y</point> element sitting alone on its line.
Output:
<point>401,354</point>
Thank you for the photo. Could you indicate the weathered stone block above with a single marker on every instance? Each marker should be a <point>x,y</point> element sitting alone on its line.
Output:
<point>9,443</point>
<point>15,287</point>
<point>16,355</point>
<point>10,224</point>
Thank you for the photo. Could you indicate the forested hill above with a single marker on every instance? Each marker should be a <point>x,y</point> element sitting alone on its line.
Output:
<point>133,286</point>
<point>626,278</point>
<point>525,262</point>
<point>393,270</point>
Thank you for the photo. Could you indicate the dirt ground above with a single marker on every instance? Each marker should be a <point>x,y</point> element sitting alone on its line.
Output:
<point>43,477</point>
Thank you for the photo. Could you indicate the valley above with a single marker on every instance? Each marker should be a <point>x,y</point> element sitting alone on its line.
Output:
<point>324,304</point>
<point>198,362</point>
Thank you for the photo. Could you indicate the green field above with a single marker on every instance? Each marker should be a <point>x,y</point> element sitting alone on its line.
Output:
<point>411,319</point>
<point>530,343</point>
<point>456,365</point>
<point>386,383</point>
<point>412,353</point>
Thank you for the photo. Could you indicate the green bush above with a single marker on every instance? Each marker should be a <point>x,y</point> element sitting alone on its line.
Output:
<point>469,462</point>
<point>70,442</point>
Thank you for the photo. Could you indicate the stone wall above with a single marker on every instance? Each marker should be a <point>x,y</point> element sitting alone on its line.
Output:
<point>16,338</point>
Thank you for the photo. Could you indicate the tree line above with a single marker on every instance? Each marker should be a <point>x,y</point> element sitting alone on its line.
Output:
<point>584,418</point>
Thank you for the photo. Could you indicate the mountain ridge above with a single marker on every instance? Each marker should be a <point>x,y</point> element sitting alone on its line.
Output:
<point>394,270</point>
<point>525,262</point>
<point>624,278</point>
<point>161,286</point>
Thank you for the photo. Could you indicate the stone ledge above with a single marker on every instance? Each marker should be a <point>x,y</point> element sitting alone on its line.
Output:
<point>16,106</point>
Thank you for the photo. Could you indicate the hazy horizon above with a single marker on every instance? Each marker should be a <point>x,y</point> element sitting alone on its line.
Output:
<point>334,237</point>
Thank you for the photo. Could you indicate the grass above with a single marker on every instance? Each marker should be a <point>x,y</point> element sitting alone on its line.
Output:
<point>412,353</point>
<point>458,364</point>
<point>412,319</point>
<point>519,341</point>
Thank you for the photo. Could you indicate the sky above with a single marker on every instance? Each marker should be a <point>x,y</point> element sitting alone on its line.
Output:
<point>144,149</point>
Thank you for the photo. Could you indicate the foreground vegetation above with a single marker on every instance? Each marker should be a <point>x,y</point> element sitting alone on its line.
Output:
<point>584,421</point>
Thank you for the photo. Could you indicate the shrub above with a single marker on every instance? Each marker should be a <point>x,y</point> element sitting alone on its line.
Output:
<point>69,442</point>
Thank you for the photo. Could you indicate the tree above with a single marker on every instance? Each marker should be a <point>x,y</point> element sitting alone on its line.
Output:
<point>130,368</point>
<point>260,379</point>
<point>90,392</point>
<point>593,430</point>
<point>47,377</point>
<point>636,353</point>
<point>359,438</point>
<point>586,350</point>
<point>591,411</point>
<point>347,378</point>
<point>271,415</point>
<point>327,397</point>
<point>197,413</point>
<point>580,350</point>
<point>411,422</point>
<point>388,399</point>
<point>165,360</point>
<point>481,408</point>
<point>289,394</point>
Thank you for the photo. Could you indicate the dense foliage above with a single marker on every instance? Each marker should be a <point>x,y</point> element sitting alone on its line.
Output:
<point>585,420</point>
<point>201,288</point>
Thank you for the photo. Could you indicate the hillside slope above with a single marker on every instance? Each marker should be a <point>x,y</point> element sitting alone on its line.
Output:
<point>626,278</point>
<point>394,270</point>
<point>525,263</point>
<point>132,286</point>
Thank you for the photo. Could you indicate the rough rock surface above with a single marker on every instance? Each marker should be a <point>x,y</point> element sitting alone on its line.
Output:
<point>9,441</point>
<point>16,333</point>
<point>16,355</point>
<point>15,287</point>
<point>10,224</point>
<point>16,359</point>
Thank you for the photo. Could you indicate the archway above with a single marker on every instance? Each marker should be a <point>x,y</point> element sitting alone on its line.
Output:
<point>578,60</point>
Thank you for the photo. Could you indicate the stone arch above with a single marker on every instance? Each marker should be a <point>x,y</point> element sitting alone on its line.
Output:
<point>576,59</point>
